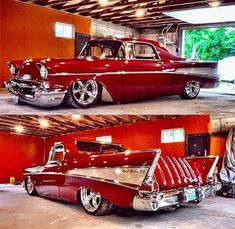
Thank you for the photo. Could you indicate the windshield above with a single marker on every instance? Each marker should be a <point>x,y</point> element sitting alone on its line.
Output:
<point>98,147</point>
<point>104,49</point>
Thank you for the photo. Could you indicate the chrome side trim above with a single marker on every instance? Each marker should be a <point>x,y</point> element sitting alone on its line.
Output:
<point>169,171</point>
<point>176,172</point>
<point>180,169</point>
<point>132,175</point>
<point>97,74</point>
<point>210,174</point>
<point>191,170</point>
<point>189,176</point>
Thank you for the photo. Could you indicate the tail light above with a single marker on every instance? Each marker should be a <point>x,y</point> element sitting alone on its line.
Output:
<point>42,70</point>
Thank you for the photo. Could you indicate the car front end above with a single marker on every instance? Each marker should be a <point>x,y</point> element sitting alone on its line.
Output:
<point>29,84</point>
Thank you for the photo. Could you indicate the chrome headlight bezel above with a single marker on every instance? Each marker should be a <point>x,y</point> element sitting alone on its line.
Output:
<point>42,71</point>
<point>12,68</point>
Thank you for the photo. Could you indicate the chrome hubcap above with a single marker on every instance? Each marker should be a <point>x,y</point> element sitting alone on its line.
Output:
<point>90,200</point>
<point>192,88</point>
<point>30,185</point>
<point>85,92</point>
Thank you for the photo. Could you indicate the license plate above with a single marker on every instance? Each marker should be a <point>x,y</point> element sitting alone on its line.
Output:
<point>190,194</point>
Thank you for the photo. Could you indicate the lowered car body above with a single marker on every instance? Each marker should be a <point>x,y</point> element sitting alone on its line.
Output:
<point>97,175</point>
<point>110,70</point>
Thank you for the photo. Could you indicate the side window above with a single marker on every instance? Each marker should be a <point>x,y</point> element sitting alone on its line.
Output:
<point>142,51</point>
<point>121,52</point>
<point>57,154</point>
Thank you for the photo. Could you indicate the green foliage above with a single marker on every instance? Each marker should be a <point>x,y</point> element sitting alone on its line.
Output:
<point>210,44</point>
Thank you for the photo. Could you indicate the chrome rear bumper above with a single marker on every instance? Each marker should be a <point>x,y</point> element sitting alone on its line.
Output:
<point>153,201</point>
<point>36,93</point>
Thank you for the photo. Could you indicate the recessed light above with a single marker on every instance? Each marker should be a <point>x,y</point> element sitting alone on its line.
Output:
<point>103,2</point>
<point>43,123</point>
<point>76,117</point>
<point>19,128</point>
<point>214,3</point>
<point>139,12</point>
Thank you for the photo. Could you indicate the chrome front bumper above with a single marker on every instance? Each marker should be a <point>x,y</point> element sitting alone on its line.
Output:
<point>153,201</point>
<point>35,93</point>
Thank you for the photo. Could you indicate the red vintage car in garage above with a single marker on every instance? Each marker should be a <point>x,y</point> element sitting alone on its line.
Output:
<point>102,175</point>
<point>110,70</point>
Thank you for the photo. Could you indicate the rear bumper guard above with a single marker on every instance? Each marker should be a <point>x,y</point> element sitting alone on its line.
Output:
<point>153,201</point>
<point>36,93</point>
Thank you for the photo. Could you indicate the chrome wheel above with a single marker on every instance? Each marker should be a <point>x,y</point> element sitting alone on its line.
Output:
<point>192,89</point>
<point>85,92</point>
<point>90,200</point>
<point>30,186</point>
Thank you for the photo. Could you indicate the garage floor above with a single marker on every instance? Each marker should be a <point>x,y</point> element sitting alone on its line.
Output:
<point>213,103</point>
<point>18,210</point>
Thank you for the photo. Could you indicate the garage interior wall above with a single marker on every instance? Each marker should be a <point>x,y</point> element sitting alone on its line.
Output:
<point>143,135</point>
<point>19,151</point>
<point>28,30</point>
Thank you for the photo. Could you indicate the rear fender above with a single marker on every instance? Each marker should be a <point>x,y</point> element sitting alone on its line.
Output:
<point>204,168</point>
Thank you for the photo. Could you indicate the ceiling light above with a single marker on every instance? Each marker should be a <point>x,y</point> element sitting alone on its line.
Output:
<point>103,2</point>
<point>19,128</point>
<point>76,117</point>
<point>139,12</point>
<point>214,3</point>
<point>43,123</point>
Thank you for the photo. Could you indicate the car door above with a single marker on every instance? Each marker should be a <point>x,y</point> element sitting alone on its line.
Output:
<point>52,176</point>
<point>143,72</point>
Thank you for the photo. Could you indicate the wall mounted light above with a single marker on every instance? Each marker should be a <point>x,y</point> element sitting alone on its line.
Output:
<point>19,129</point>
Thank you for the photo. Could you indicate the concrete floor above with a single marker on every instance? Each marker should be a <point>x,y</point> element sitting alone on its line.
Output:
<point>213,103</point>
<point>18,210</point>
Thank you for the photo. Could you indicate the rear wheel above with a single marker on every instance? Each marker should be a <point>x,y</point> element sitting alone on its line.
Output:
<point>191,90</point>
<point>30,187</point>
<point>83,94</point>
<point>94,203</point>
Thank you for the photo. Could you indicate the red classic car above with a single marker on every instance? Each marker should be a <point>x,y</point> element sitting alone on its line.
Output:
<point>110,70</point>
<point>102,175</point>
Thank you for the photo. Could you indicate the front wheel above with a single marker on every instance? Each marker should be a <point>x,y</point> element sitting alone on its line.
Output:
<point>83,94</point>
<point>30,187</point>
<point>191,90</point>
<point>94,203</point>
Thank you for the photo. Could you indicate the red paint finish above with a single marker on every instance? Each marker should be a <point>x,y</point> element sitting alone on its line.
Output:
<point>63,180</point>
<point>144,135</point>
<point>125,79</point>
<point>17,153</point>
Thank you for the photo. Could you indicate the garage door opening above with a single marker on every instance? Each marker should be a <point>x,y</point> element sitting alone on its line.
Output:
<point>213,44</point>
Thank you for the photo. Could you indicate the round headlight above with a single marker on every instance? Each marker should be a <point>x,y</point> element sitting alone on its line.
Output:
<point>12,69</point>
<point>43,72</point>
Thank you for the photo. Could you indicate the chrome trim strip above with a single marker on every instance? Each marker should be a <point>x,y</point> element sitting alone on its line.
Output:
<point>168,170</point>
<point>120,174</point>
<point>176,172</point>
<point>210,174</point>
<point>97,74</point>
<point>191,170</point>
<point>80,176</point>
<point>186,170</point>
<point>181,170</point>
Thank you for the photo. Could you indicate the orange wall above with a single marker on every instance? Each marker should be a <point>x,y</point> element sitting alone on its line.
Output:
<point>218,145</point>
<point>17,153</point>
<point>28,31</point>
<point>143,135</point>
